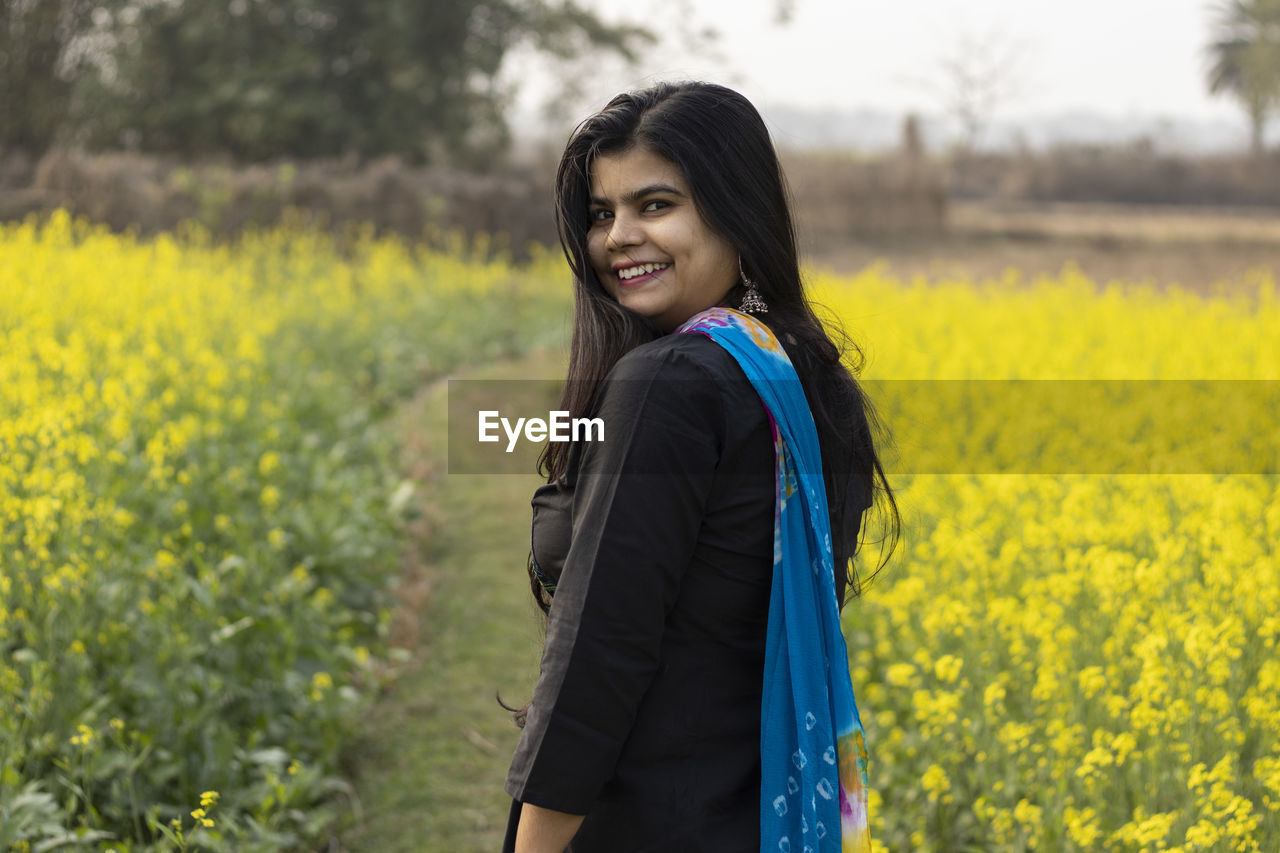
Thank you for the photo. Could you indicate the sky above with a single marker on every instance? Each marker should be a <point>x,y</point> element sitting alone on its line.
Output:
<point>1117,58</point>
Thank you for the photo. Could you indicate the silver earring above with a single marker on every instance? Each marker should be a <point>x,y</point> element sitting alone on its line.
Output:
<point>752,303</point>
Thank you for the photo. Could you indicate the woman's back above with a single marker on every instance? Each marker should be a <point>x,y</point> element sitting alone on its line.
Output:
<point>672,519</point>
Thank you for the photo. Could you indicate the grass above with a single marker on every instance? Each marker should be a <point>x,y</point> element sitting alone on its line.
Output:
<point>430,765</point>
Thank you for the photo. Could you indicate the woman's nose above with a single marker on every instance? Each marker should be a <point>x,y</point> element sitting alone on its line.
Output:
<point>625,231</point>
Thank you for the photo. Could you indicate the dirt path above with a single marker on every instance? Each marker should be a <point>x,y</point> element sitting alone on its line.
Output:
<point>430,762</point>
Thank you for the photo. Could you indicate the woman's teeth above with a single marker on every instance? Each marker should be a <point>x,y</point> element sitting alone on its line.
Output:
<point>643,269</point>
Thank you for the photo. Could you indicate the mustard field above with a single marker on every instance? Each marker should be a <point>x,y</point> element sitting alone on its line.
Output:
<point>201,514</point>
<point>1083,662</point>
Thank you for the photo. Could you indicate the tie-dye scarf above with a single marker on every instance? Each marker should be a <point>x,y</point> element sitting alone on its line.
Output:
<point>813,780</point>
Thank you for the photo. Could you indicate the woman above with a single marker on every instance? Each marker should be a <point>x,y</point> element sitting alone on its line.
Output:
<point>688,563</point>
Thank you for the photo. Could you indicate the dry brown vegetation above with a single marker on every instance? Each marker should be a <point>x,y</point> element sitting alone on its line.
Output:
<point>154,194</point>
<point>1199,248</point>
<point>1017,212</point>
<point>973,216</point>
<point>1137,173</point>
<point>839,195</point>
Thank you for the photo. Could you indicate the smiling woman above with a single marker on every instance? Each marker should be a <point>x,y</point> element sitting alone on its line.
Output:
<point>709,540</point>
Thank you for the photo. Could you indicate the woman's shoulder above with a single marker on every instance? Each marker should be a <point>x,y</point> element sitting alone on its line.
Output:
<point>688,382</point>
<point>678,357</point>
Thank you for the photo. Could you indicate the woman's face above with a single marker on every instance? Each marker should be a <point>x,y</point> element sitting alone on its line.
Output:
<point>649,245</point>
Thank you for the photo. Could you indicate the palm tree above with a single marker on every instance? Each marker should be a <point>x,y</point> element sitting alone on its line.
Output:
<point>1245,60</point>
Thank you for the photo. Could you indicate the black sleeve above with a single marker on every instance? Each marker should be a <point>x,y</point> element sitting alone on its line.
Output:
<point>638,505</point>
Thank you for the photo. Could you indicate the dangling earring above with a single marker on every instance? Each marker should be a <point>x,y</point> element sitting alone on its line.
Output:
<point>751,301</point>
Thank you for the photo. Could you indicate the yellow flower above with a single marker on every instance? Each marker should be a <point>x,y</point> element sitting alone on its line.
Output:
<point>947,668</point>
<point>1091,681</point>
<point>321,682</point>
<point>1082,826</point>
<point>900,674</point>
<point>268,463</point>
<point>1124,743</point>
<point>1027,814</point>
<point>935,782</point>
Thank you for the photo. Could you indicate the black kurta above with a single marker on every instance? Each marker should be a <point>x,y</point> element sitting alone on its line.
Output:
<point>646,715</point>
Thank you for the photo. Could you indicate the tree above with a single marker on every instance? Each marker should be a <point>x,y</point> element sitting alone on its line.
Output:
<point>39,63</point>
<point>265,78</point>
<point>1245,60</point>
<point>982,74</point>
<point>977,76</point>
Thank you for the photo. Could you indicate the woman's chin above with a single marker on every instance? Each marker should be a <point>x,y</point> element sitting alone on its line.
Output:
<point>640,305</point>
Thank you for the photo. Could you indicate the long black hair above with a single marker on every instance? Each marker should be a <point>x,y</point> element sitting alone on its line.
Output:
<point>721,145</point>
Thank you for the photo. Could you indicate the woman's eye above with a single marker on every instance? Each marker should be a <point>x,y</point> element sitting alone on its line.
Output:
<point>600,215</point>
<point>654,206</point>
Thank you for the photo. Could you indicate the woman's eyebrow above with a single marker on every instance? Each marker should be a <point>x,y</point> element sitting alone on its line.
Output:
<point>629,197</point>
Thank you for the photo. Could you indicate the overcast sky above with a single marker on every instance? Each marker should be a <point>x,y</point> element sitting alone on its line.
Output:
<point>1114,57</point>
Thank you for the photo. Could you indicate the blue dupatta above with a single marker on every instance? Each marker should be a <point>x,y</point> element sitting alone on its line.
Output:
<point>813,785</point>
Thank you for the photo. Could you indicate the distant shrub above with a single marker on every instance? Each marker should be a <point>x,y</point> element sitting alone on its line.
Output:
<point>155,194</point>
